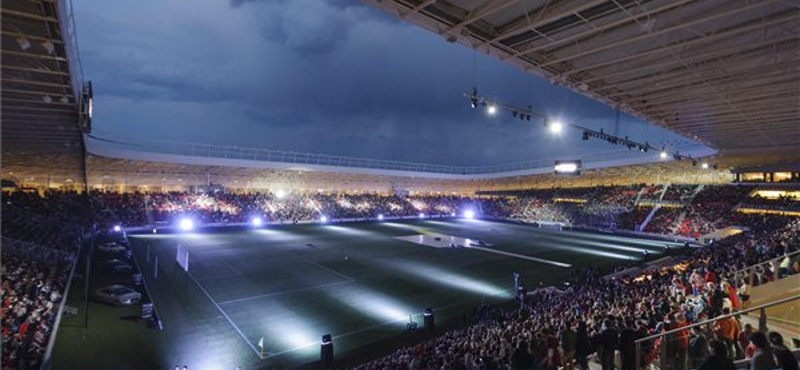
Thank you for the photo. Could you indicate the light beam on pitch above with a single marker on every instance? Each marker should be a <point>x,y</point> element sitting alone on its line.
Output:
<point>448,278</point>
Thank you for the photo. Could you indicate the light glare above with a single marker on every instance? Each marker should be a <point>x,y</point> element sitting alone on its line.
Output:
<point>556,127</point>
<point>566,167</point>
<point>117,228</point>
<point>257,221</point>
<point>492,109</point>
<point>663,154</point>
<point>469,214</point>
<point>186,224</point>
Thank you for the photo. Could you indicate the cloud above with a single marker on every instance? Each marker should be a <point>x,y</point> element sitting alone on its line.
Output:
<point>322,76</point>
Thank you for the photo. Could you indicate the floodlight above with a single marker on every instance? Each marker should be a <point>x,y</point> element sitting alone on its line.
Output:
<point>705,165</point>
<point>323,219</point>
<point>380,217</point>
<point>491,109</point>
<point>453,214</point>
<point>566,167</point>
<point>280,194</point>
<point>555,126</point>
<point>155,231</point>
<point>256,221</point>
<point>663,154</point>
<point>421,215</point>
<point>117,228</point>
<point>469,214</point>
<point>186,224</point>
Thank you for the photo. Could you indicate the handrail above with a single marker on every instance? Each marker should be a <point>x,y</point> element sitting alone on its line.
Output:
<point>48,353</point>
<point>769,261</point>
<point>706,322</point>
<point>271,155</point>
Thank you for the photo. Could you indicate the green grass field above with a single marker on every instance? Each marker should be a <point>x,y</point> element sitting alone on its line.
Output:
<point>291,284</point>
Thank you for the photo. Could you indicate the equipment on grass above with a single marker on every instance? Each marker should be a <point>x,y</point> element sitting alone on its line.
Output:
<point>326,351</point>
<point>430,324</point>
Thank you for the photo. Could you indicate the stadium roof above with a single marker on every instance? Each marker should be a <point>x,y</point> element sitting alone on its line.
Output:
<point>726,73</point>
<point>41,85</point>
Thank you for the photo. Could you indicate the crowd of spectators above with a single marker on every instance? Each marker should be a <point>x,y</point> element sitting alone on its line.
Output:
<point>784,203</point>
<point>31,291</point>
<point>679,193</point>
<point>664,220</point>
<point>603,318</point>
<point>592,316</point>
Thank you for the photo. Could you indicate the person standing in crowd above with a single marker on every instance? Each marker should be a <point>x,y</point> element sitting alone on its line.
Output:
<point>718,360</point>
<point>744,341</point>
<point>763,358</point>
<point>582,346</point>
<point>568,342</point>
<point>726,330</point>
<point>521,359</point>
<point>698,347</point>
<point>608,343</point>
<point>783,355</point>
<point>744,293</point>
<point>627,345</point>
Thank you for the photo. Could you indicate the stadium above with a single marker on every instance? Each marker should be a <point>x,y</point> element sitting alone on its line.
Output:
<point>401,184</point>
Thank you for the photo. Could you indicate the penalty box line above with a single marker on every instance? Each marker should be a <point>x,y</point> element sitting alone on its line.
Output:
<point>347,280</point>
<point>224,314</point>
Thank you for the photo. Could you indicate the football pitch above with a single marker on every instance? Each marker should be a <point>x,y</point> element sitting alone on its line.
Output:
<point>285,286</point>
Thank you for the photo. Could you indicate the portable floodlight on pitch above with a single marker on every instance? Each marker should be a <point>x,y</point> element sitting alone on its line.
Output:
<point>380,217</point>
<point>117,228</point>
<point>256,221</point>
<point>323,219</point>
<point>186,224</point>
<point>469,214</point>
<point>326,351</point>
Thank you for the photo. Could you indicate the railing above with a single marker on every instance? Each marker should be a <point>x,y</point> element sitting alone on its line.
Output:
<point>268,155</point>
<point>670,350</point>
<point>750,273</point>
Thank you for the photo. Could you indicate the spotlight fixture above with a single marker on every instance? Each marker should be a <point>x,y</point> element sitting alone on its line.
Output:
<point>491,109</point>
<point>473,99</point>
<point>117,228</point>
<point>256,221</point>
<point>380,217</point>
<point>555,126</point>
<point>323,219</point>
<point>663,154</point>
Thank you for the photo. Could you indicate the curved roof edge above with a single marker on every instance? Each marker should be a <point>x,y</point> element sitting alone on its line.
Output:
<point>225,156</point>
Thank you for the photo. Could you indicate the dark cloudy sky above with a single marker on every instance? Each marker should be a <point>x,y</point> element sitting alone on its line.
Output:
<point>320,76</point>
